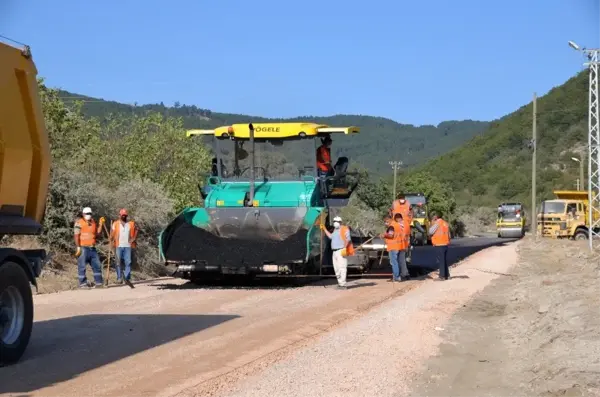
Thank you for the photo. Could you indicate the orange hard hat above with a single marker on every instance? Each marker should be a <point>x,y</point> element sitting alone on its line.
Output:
<point>123,212</point>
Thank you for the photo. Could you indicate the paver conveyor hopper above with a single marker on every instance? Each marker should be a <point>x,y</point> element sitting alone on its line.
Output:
<point>261,211</point>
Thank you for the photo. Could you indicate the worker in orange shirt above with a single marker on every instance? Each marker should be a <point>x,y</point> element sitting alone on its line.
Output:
<point>396,238</point>
<point>440,239</point>
<point>86,232</point>
<point>324,166</point>
<point>402,206</point>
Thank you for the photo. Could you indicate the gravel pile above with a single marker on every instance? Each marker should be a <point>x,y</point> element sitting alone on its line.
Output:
<point>189,243</point>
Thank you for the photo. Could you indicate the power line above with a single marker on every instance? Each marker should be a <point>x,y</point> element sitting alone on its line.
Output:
<point>13,40</point>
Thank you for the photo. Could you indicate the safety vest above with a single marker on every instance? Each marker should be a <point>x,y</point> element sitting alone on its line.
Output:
<point>441,236</point>
<point>88,231</point>
<point>348,244</point>
<point>324,158</point>
<point>117,229</point>
<point>403,209</point>
<point>400,238</point>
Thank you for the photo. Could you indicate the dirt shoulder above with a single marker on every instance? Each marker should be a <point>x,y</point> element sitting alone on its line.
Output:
<point>533,332</point>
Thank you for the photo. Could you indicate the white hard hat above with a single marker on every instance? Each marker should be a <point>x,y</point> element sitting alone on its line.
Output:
<point>337,219</point>
<point>87,210</point>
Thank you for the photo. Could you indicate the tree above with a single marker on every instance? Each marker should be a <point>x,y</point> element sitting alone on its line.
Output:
<point>439,195</point>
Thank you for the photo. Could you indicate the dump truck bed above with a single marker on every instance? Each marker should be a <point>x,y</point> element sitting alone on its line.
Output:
<point>24,178</point>
<point>25,150</point>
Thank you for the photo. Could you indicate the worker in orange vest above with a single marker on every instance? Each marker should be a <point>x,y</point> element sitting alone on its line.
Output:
<point>123,235</point>
<point>396,238</point>
<point>86,232</point>
<point>440,239</point>
<point>341,245</point>
<point>324,166</point>
<point>402,206</point>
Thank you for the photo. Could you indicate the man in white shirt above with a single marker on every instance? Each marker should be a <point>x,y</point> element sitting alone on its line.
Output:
<point>123,238</point>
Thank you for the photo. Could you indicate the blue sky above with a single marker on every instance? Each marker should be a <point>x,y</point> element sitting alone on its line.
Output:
<point>418,62</point>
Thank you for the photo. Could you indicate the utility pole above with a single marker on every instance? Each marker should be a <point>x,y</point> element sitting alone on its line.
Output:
<point>533,167</point>
<point>581,176</point>
<point>593,187</point>
<point>395,166</point>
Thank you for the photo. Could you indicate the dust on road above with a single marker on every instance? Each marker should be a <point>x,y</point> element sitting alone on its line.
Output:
<point>536,332</point>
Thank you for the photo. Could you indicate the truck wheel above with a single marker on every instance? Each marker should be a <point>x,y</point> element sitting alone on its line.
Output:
<point>16,312</point>
<point>580,235</point>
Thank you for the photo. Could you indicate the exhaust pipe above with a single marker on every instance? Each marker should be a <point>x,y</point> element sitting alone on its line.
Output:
<point>252,164</point>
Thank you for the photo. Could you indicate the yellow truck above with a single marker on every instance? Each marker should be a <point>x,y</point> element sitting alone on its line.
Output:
<point>511,220</point>
<point>566,216</point>
<point>24,177</point>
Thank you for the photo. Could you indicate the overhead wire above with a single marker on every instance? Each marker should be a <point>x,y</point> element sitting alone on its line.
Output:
<point>13,40</point>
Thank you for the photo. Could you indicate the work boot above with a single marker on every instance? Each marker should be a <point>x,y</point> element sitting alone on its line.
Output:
<point>341,287</point>
<point>84,286</point>
<point>128,282</point>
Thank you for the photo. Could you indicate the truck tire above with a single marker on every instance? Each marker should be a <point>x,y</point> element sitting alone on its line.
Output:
<point>580,234</point>
<point>16,312</point>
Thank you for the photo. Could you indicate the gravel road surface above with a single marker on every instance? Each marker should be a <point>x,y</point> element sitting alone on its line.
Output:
<point>168,337</point>
<point>379,353</point>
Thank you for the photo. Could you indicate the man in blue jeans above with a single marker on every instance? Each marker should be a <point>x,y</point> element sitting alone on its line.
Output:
<point>123,237</point>
<point>86,232</point>
<point>397,242</point>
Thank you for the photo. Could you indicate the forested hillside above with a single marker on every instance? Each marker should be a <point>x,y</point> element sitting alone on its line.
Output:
<point>496,165</point>
<point>380,141</point>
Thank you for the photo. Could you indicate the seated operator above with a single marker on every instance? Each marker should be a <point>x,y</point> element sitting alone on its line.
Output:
<point>324,166</point>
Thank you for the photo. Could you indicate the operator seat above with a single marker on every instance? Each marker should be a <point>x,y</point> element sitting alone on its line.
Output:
<point>340,168</point>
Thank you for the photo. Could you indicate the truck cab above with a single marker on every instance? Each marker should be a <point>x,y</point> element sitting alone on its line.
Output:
<point>566,216</point>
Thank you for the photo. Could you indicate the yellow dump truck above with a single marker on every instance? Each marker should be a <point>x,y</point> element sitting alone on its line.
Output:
<point>511,220</point>
<point>24,175</point>
<point>566,216</point>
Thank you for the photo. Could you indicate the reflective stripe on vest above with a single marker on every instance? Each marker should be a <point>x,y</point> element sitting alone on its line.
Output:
<point>117,228</point>
<point>87,235</point>
<point>442,234</point>
<point>323,157</point>
<point>348,244</point>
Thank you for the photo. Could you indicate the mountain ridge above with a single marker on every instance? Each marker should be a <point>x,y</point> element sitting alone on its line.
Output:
<point>372,149</point>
